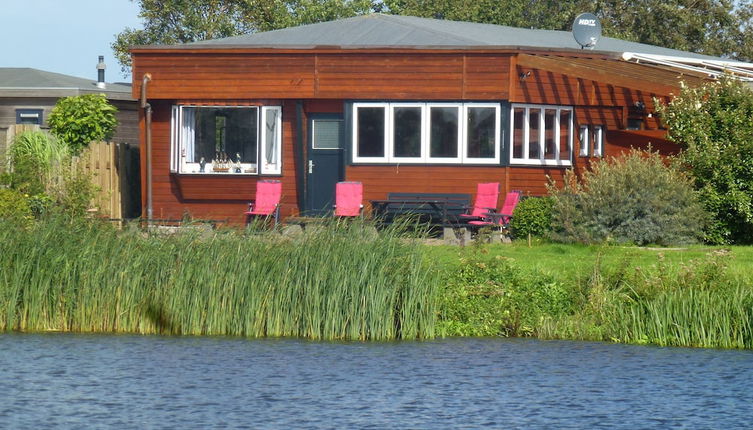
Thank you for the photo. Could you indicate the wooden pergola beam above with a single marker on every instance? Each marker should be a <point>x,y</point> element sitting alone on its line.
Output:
<point>578,68</point>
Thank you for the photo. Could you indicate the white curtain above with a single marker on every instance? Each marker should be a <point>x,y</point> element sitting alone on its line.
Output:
<point>271,138</point>
<point>188,133</point>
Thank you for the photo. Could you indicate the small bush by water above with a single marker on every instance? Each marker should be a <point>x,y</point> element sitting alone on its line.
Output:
<point>337,282</point>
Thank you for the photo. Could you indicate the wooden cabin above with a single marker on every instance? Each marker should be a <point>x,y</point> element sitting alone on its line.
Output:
<point>401,104</point>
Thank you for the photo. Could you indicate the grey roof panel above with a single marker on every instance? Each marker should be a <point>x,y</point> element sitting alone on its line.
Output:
<point>28,78</point>
<point>395,31</point>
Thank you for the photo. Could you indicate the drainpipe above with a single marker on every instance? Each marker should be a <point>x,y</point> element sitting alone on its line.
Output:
<point>148,132</point>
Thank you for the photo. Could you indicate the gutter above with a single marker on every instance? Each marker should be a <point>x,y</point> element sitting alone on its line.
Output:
<point>148,137</point>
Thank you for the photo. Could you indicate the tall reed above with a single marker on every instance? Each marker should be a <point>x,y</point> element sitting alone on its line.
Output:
<point>338,281</point>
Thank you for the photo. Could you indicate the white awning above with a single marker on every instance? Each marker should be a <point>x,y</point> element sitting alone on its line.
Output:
<point>712,68</point>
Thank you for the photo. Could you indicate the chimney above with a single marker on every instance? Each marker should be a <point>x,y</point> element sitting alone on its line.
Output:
<point>101,72</point>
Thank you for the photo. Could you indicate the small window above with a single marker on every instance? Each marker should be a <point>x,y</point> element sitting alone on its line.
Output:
<point>407,128</point>
<point>370,129</point>
<point>584,141</point>
<point>482,133</point>
<point>326,133</point>
<point>597,138</point>
<point>541,135</point>
<point>29,116</point>
<point>444,134</point>
<point>635,124</point>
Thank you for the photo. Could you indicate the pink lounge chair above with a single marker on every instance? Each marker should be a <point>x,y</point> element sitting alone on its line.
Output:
<point>501,219</point>
<point>267,202</point>
<point>348,199</point>
<point>487,194</point>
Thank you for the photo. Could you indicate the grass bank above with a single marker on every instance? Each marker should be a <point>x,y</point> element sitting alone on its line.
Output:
<point>700,297</point>
<point>337,282</point>
<point>342,281</point>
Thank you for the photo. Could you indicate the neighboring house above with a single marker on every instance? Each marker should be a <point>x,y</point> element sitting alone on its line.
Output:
<point>28,95</point>
<point>399,103</point>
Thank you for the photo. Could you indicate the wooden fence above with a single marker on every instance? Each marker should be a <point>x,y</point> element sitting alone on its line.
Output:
<point>115,173</point>
<point>114,168</point>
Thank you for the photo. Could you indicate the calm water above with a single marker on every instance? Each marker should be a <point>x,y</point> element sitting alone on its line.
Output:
<point>77,381</point>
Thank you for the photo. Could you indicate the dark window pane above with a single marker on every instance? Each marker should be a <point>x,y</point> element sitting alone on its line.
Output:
<point>407,131</point>
<point>225,132</point>
<point>444,132</point>
<point>533,134</point>
<point>518,132</point>
<point>550,143</point>
<point>565,132</point>
<point>482,132</point>
<point>370,132</point>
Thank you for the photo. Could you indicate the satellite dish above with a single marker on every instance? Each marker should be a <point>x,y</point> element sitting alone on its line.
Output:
<point>586,30</point>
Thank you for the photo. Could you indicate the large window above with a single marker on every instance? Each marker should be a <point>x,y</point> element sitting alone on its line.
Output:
<point>541,135</point>
<point>426,133</point>
<point>226,139</point>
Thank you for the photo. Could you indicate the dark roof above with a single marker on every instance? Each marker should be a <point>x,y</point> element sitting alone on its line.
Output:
<point>28,82</point>
<point>396,31</point>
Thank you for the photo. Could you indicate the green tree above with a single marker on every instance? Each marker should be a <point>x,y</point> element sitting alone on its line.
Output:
<point>181,21</point>
<point>714,126</point>
<point>713,27</point>
<point>79,120</point>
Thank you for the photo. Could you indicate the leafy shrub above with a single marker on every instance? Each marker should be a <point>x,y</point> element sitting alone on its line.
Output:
<point>74,196</point>
<point>635,199</point>
<point>714,126</point>
<point>79,120</point>
<point>532,216</point>
<point>14,207</point>
<point>489,296</point>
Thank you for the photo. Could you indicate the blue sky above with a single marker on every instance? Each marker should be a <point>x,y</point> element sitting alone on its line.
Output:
<point>64,36</point>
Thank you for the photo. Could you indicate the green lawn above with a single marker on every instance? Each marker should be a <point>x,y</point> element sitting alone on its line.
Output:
<point>574,262</point>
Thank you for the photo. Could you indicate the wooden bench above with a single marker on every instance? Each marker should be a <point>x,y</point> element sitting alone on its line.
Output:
<point>436,209</point>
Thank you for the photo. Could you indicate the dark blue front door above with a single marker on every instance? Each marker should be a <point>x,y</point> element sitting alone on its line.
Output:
<point>324,164</point>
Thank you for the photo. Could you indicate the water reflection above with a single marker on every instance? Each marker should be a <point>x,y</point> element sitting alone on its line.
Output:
<point>62,380</point>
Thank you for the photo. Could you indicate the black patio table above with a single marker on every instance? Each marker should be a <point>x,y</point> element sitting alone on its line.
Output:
<point>433,207</point>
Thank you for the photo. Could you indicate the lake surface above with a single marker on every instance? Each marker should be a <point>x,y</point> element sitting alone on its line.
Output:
<point>92,381</point>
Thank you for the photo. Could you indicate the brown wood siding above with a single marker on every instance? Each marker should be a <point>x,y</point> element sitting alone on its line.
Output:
<point>345,75</point>
<point>534,179</point>
<point>378,181</point>
<point>225,76</point>
<point>544,87</point>
<point>216,197</point>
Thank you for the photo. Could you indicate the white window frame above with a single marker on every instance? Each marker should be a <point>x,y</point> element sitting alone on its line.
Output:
<point>391,157</point>
<point>276,167</point>
<point>385,157</point>
<point>585,142</point>
<point>175,147</point>
<point>497,137</point>
<point>457,159</point>
<point>179,165</point>
<point>425,158</point>
<point>541,161</point>
<point>598,137</point>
